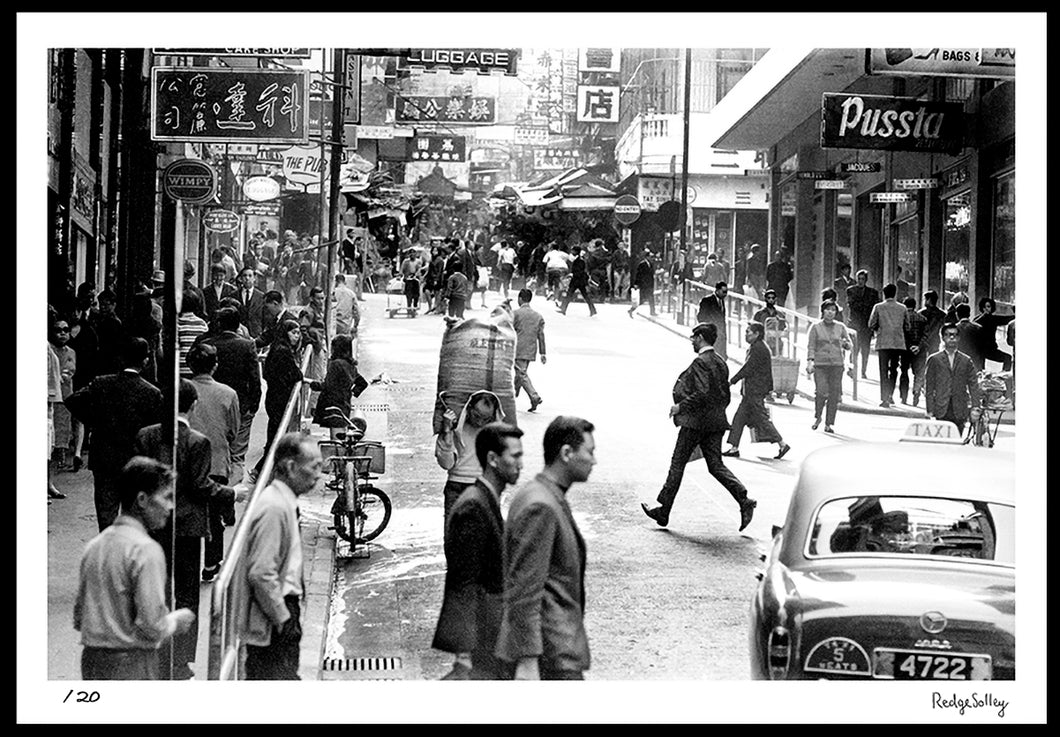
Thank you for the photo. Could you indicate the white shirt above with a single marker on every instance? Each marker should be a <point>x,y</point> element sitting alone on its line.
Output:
<point>556,259</point>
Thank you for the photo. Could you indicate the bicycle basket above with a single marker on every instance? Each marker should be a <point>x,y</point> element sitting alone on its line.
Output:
<point>375,451</point>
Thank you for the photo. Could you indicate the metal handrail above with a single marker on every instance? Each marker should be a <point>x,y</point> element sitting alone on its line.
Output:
<point>230,599</point>
<point>741,311</point>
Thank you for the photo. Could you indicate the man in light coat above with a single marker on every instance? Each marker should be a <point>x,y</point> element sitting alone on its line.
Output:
<point>542,630</point>
<point>274,562</point>
<point>529,341</point>
<point>889,319</point>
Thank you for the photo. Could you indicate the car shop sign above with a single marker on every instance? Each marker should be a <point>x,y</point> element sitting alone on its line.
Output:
<point>890,123</point>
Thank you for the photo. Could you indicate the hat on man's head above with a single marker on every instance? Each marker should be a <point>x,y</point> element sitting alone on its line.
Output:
<point>769,292</point>
<point>159,277</point>
<point>189,269</point>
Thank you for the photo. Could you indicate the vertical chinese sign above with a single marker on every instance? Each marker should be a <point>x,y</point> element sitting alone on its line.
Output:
<point>225,105</point>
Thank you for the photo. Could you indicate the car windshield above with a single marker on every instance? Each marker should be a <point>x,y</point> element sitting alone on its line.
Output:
<point>914,525</point>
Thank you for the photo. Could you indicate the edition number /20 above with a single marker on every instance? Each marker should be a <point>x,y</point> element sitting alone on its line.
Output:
<point>88,697</point>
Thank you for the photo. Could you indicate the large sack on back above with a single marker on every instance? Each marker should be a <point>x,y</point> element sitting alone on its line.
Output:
<point>477,353</point>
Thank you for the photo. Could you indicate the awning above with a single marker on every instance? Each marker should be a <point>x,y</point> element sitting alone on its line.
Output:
<point>574,189</point>
<point>779,93</point>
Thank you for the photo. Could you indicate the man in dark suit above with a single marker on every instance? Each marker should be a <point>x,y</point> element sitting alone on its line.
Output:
<point>701,395</point>
<point>644,281</point>
<point>239,368</point>
<point>474,554</point>
<point>951,386</point>
<point>273,313</point>
<point>529,340</point>
<point>779,275</point>
<point>217,290</point>
<point>861,298</point>
<point>115,407</point>
<point>542,628</point>
<point>195,491</point>
<point>579,281</point>
<point>712,311</point>
<point>757,377</point>
<point>970,335</point>
<point>251,301</point>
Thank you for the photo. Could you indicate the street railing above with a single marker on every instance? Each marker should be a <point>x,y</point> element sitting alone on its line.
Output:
<point>684,300</point>
<point>230,600</point>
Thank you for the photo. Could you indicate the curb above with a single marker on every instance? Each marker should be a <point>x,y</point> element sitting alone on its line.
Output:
<point>845,406</point>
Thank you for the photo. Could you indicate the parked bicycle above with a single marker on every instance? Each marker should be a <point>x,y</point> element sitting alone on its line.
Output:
<point>361,511</point>
<point>993,403</point>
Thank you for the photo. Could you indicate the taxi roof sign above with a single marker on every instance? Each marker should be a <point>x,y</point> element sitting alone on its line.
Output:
<point>932,431</point>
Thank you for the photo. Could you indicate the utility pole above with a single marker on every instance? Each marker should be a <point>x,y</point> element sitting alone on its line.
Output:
<point>684,176</point>
<point>335,211</point>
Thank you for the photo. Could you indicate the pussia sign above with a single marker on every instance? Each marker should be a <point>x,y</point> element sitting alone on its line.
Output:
<point>890,123</point>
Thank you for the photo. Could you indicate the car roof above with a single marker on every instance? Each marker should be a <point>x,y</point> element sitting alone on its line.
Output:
<point>967,472</point>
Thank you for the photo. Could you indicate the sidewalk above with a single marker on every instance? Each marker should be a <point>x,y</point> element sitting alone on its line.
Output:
<point>868,401</point>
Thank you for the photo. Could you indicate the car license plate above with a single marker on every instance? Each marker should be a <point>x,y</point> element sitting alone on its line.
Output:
<point>920,665</point>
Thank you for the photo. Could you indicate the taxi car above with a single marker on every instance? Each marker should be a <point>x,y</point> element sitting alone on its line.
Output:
<point>895,562</point>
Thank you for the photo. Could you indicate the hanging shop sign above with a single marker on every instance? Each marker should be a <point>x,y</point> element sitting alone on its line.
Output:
<point>985,63</point>
<point>915,183</point>
<point>374,132</point>
<point>221,221</point>
<point>830,184</point>
<point>226,105</point>
<point>465,110</point>
<point>597,104</point>
<point>427,147</point>
<point>351,93</point>
<point>890,123</point>
<point>599,60</point>
<point>305,165</point>
<point>482,61</point>
<point>554,158</point>
<point>814,174</point>
<point>262,209</point>
<point>274,52</point>
<point>887,198</point>
<point>531,136</point>
<point>190,180</point>
<point>241,151</point>
<point>859,167</point>
<point>627,209</point>
<point>261,189</point>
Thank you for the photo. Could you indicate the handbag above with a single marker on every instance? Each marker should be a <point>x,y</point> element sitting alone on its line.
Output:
<point>359,385</point>
<point>634,295</point>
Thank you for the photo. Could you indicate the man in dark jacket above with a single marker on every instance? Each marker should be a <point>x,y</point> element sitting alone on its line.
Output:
<point>701,396</point>
<point>239,368</point>
<point>712,309</point>
<point>115,407</point>
<point>861,298</point>
<point>935,318</point>
<point>757,376</point>
<point>970,338</point>
<point>579,281</point>
<point>779,275</point>
<point>990,322</point>
<point>644,281</point>
<point>195,492</point>
<point>474,554</point>
<point>951,385</point>
<point>218,289</point>
<point>251,301</point>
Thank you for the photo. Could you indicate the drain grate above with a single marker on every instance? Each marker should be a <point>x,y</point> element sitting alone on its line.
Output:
<point>369,665</point>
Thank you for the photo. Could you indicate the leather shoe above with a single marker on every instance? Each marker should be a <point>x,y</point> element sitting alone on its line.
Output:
<point>209,572</point>
<point>829,429</point>
<point>534,404</point>
<point>460,672</point>
<point>784,448</point>
<point>54,493</point>
<point>660,515</point>
<point>731,453</point>
<point>816,424</point>
<point>747,511</point>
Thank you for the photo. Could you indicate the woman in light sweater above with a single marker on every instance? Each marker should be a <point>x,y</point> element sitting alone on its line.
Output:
<point>825,344</point>
<point>455,447</point>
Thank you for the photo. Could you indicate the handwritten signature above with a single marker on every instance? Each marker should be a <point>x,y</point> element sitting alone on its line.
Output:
<point>975,701</point>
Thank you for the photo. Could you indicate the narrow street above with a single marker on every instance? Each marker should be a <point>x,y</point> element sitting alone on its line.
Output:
<point>661,603</point>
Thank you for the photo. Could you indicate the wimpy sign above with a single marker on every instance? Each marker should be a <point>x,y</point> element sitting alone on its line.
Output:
<point>890,123</point>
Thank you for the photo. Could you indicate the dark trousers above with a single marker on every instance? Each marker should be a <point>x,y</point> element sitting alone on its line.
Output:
<point>215,545</point>
<point>412,292</point>
<point>919,371</point>
<point>996,354</point>
<point>456,306</point>
<point>546,672</point>
<point>185,563</point>
<point>104,664</point>
<point>864,345</point>
<point>270,432</point>
<point>829,383</point>
<point>584,289</point>
<point>278,661</point>
<point>951,416</point>
<point>106,498</point>
<point>647,294</point>
<point>450,493</point>
<point>905,366</point>
<point>752,413</point>
<point>890,359</point>
<point>709,442</point>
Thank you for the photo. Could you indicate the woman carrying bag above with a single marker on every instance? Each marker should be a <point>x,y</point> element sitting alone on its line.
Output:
<point>825,344</point>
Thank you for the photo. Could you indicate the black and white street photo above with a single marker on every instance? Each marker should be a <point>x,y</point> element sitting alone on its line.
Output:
<point>668,352</point>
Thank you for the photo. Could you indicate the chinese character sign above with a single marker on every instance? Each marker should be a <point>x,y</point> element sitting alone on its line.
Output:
<point>599,60</point>
<point>229,105</point>
<point>464,110</point>
<point>550,159</point>
<point>437,148</point>
<point>597,104</point>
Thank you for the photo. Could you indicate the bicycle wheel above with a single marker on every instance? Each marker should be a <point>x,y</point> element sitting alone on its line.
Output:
<point>371,513</point>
